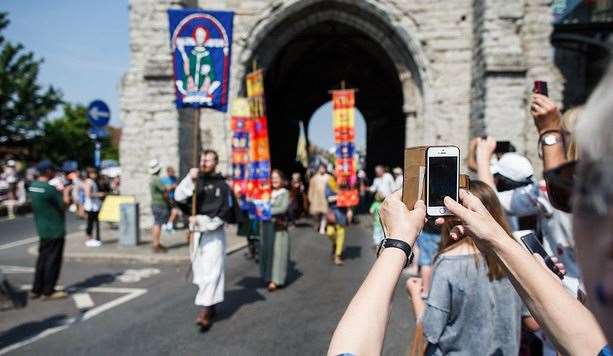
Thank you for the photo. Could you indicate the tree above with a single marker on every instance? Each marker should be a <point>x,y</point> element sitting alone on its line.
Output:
<point>66,138</point>
<point>23,103</point>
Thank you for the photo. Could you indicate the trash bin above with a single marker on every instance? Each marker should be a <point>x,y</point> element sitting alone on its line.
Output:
<point>129,226</point>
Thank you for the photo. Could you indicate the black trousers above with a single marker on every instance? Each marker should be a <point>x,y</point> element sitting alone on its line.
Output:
<point>92,218</point>
<point>48,265</point>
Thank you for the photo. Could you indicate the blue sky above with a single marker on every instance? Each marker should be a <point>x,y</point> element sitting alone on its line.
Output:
<point>85,46</point>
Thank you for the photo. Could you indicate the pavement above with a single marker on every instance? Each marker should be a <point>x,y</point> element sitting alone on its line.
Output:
<point>120,307</point>
<point>176,242</point>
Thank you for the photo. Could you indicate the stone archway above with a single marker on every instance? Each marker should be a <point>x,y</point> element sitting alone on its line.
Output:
<point>308,47</point>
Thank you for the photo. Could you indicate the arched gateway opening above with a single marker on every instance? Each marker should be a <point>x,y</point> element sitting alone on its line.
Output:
<point>310,49</point>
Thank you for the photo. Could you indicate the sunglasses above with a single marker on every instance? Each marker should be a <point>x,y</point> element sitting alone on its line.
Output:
<point>560,184</point>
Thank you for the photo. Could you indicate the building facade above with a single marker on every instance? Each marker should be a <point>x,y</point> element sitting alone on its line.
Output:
<point>427,72</point>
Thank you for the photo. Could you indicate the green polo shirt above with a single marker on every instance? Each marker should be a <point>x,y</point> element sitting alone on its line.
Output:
<point>48,208</point>
<point>157,191</point>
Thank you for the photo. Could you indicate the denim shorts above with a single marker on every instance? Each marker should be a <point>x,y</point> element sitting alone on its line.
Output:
<point>428,247</point>
<point>161,213</point>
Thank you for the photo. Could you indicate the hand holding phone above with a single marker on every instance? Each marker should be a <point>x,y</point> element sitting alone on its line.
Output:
<point>442,178</point>
<point>534,246</point>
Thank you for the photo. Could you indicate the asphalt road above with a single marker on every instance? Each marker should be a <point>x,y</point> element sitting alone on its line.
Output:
<point>22,227</point>
<point>116,319</point>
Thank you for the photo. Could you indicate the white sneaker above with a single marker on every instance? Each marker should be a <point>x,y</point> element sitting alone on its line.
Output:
<point>93,243</point>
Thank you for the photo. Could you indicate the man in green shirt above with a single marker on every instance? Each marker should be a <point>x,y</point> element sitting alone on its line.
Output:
<point>48,205</point>
<point>159,205</point>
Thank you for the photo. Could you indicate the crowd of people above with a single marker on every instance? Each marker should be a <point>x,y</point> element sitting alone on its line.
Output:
<point>475,289</point>
<point>478,287</point>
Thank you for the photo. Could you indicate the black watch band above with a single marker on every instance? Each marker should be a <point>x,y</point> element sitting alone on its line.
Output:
<point>405,247</point>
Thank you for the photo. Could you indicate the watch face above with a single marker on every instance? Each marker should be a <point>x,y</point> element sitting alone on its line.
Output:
<point>550,140</point>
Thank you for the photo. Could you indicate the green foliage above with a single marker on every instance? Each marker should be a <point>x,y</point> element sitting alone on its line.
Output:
<point>66,138</point>
<point>23,103</point>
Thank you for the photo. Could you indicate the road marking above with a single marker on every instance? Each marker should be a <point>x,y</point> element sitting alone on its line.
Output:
<point>130,293</point>
<point>135,275</point>
<point>29,240</point>
<point>15,269</point>
<point>83,300</point>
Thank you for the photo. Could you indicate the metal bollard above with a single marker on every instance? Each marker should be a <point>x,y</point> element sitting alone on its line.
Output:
<point>129,224</point>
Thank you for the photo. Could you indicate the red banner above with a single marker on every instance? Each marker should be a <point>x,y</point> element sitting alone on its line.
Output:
<point>258,170</point>
<point>343,116</point>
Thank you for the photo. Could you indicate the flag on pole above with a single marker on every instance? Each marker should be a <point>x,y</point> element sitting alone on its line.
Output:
<point>240,149</point>
<point>343,116</point>
<point>258,170</point>
<point>201,43</point>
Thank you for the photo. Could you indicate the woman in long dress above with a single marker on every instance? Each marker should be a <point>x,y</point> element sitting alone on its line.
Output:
<point>274,260</point>
<point>318,205</point>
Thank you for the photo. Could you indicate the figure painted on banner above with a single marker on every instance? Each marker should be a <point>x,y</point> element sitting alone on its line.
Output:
<point>336,221</point>
<point>207,250</point>
<point>274,256</point>
<point>199,80</point>
<point>317,197</point>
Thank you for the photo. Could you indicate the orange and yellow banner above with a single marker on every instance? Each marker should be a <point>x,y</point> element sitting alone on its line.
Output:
<point>258,170</point>
<point>343,116</point>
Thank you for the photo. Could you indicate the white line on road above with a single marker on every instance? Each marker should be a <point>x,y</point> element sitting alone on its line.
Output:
<point>83,300</point>
<point>29,240</point>
<point>131,293</point>
<point>15,269</point>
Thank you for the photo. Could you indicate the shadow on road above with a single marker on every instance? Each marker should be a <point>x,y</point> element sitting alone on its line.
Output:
<point>234,299</point>
<point>352,252</point>
<point>29,329</point>
<point>95,281</point>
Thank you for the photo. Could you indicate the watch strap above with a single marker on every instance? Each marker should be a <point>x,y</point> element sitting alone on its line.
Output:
<point>395,243</point>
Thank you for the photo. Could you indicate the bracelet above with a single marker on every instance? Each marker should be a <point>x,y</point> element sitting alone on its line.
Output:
<point>399,244</point>
<point>540,140</point>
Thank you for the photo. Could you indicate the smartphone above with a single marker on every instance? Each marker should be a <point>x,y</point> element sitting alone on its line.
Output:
<point>540,87</point>
<point>442,178</point>
<point>534,246</point>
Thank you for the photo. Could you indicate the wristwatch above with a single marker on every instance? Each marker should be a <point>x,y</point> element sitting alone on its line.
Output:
<point>551,139</point>
<point>405,247</point>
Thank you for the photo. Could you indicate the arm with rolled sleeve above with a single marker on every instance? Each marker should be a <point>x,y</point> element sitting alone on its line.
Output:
<point>185,189</point>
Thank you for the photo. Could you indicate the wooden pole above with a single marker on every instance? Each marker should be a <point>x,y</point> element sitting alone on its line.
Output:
<point>343,84</point>
<point>196,130</point>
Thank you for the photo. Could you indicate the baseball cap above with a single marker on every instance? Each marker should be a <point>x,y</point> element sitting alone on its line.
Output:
<point>514,167</point>
<point>44,166</point>
<point>154,166</point>
<point>397,171</point>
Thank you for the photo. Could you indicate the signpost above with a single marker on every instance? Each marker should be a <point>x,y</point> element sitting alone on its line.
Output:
<point>99,115</point>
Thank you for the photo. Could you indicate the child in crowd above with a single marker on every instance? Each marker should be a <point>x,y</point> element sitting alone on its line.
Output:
<point>377,233</point>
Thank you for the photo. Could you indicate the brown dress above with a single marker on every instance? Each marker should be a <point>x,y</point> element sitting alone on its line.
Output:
<point>317,195</point>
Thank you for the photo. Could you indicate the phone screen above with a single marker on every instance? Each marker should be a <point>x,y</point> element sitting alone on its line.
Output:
<point>443,179</point>
<point>533,245</point>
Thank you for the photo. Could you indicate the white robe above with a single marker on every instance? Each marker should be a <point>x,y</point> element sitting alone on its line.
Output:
<point>207,253</point>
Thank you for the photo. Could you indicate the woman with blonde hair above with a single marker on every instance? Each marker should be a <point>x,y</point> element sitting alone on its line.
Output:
<point>472,307</point>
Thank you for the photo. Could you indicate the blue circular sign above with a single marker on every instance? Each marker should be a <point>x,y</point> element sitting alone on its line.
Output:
<point>98,113</point>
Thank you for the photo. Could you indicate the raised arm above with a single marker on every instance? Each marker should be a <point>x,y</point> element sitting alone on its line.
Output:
<point>362,327</point>
<point>547,119</point>
<point>571,327</point>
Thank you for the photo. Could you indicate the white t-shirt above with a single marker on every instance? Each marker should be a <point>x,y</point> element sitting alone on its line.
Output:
<point>383,185</point>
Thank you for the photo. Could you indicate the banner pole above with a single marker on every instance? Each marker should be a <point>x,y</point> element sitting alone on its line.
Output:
<point>196,129</point>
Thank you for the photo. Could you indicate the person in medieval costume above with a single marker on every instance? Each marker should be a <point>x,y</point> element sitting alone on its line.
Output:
<point>207,250</point>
